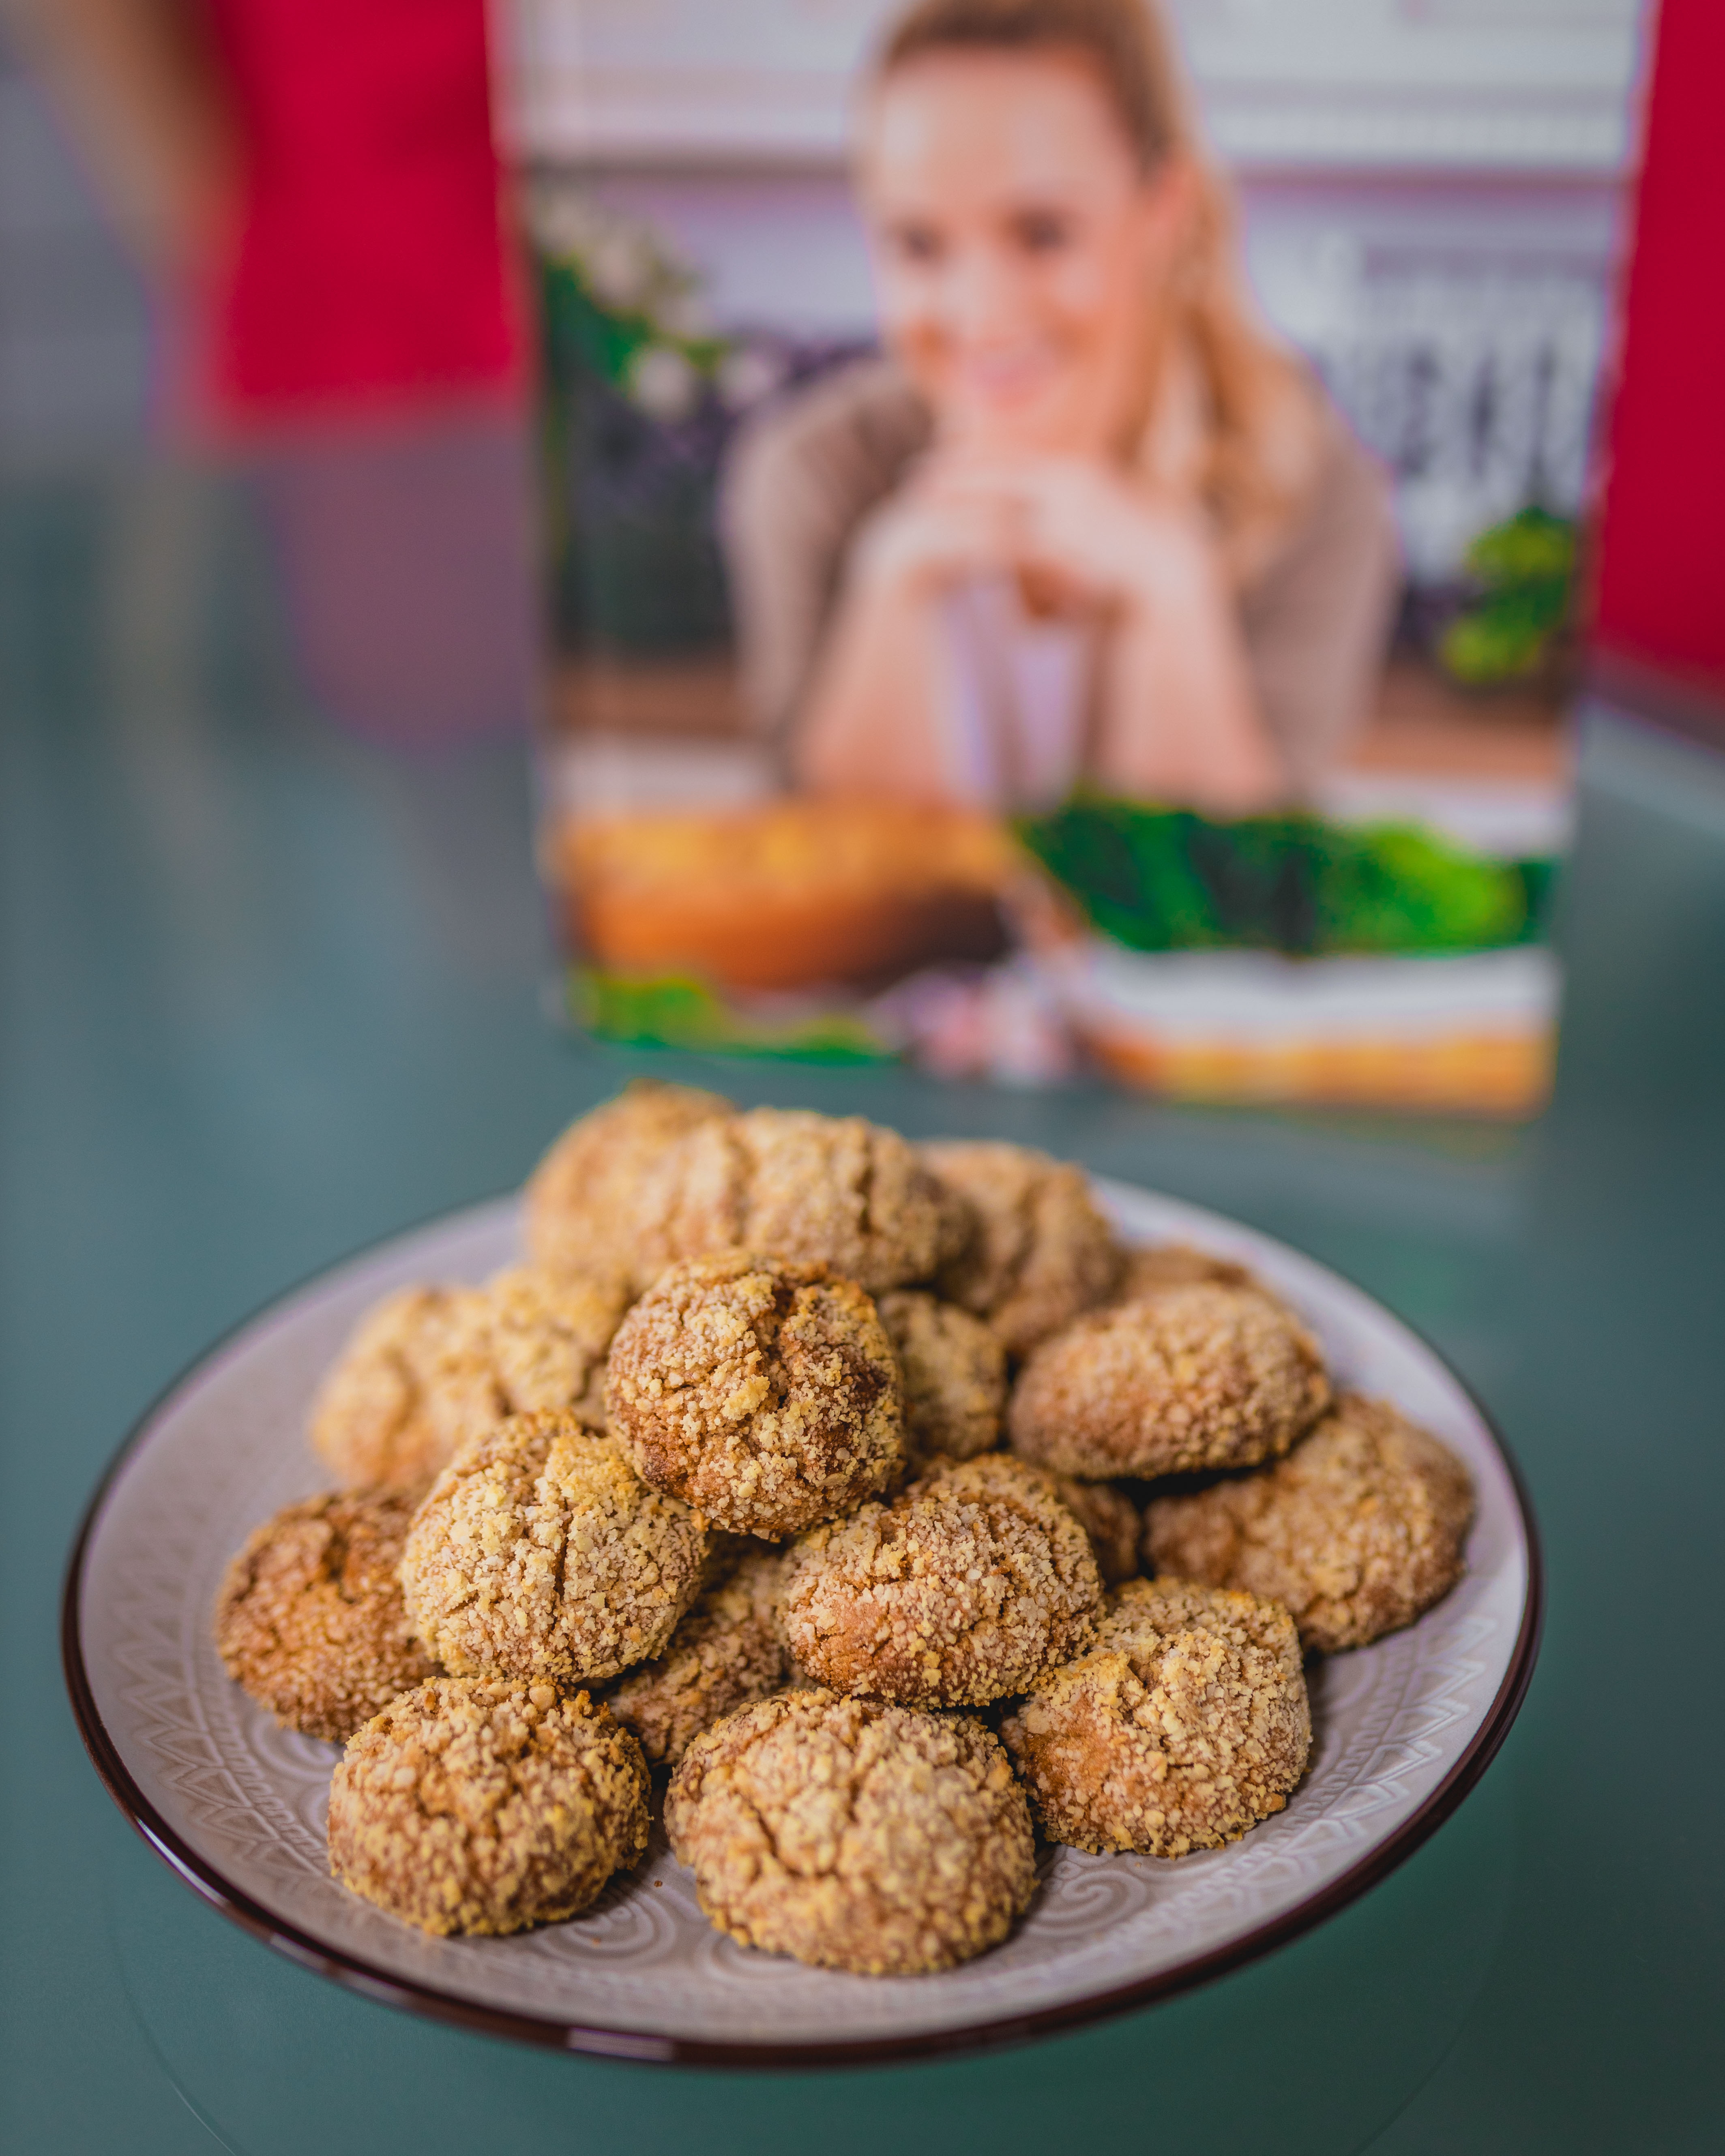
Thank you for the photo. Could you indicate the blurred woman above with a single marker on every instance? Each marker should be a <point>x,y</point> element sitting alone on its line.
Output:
<point>1086,520</point>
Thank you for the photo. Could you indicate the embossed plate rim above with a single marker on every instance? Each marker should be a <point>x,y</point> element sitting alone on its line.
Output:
<point>240,1906</point>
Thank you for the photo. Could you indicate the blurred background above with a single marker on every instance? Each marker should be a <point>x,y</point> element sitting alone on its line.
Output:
<point>453,322</point>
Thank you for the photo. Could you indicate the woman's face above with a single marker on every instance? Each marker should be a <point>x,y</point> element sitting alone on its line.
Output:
<point>1017,242</point>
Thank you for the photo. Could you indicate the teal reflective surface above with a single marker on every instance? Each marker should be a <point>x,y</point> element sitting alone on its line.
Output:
<point>273,989</point>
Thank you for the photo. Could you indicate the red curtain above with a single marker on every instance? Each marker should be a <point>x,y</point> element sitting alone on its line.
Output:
<point>1660,597</point>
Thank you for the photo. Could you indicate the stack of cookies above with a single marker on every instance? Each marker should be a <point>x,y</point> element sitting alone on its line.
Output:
<point>820,1474</point>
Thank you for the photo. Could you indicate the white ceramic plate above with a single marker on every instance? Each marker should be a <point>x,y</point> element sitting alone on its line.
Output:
<point>236,1806</point>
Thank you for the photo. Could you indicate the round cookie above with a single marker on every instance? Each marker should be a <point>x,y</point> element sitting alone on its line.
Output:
<point>583,1202</point>
<point>404,1391</point>
<point>310,1618</point>
<point>967,1587</point>
<point>541,1553</point>
<point>547,1336</point>
<point>1147,1269</point>
<point>1357,1532</point>
<point>727,1650</point>
<point>430,1368</point>
<point>763,1392</point>
<point>954,1373</point>
<point>1186,1724</point>
<point>854,1834</point>
<point>481,1805</point>
<point>1110,1520</point>
<point>813,1189</point>
<point>1198,1377</point>
<point>1040,1250</point>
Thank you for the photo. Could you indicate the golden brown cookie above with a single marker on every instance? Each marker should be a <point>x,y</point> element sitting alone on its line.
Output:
<point>854,1834</point>
<point>310,1618</point>
<point>1040,1251</point>
<point>763,1392</point>
<point>431,1367</point>
<point>1187,1723</point>
<point>1357,1532</point>
<point>547,1336</point>
<point>727,1650</point>
<point>812,1189</point>
<point>966,1589</point>
<point>583,1203</point>
<point>484,1805</point>
<point>1110,1520</point>
<point>404,1392</point>
<point>1204,1376</point>
<point>954,1373</point>
<point>541,1553</point>
<point>1147,1269</point>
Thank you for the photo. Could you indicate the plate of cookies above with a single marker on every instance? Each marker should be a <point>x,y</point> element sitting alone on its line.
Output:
<point>775,1592</point>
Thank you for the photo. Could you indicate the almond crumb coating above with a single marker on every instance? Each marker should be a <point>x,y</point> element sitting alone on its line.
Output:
<point>854,1834</point>
<point>954,1373</point>
<point>1041,1250</point>
<point>310,1618</point>
<point>1147,1269</point>
<point>814,1189</point>
<point>1204,1376</point>
<point>404,1392</point>
<point>727,1650</point>
<point>547,1336</point>
<point>763,1392</point>
<point>1110,1520</point>
<point>1357,1532</point>
<point>966,1589</point>
<point>1186,1724</point>
<point>432,1367</point>
<point>582,1200</point>
<point>483,1805</point>
<point>540,1553</point>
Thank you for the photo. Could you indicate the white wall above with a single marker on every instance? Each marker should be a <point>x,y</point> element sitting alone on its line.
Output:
<point>1458,85</point>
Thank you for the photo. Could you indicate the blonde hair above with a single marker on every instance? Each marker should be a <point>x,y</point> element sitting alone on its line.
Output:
<point>1248,444</point>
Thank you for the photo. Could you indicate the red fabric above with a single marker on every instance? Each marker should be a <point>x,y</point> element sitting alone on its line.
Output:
<point>371,263</point>
<point>1660,596</point>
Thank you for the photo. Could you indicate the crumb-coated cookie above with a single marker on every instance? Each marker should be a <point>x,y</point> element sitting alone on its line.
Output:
<point>965,1589</point>
<point>310,1618</point>
<point>541,1552</point>
<point>547,1335</point>
<point>432,1367</point>
<point>1357,1532</point>
<point>487,1804</point>
<point>954,1373</point>
<point>1186,1724</point>
<point>1147,1269</point>
<point>854,1834</point>
<point>727,1650</point>
<point>583,1201</point>
<point>1040,1250</point>
<point>1204,1376</point>
<point>404,1391</point>
<point>1110,1520</point>
<point>816,1189</point>
<point>763,1392</point>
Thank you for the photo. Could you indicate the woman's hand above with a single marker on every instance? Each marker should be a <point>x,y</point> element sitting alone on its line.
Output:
<point>934,534</point>
<point>1083,535</point>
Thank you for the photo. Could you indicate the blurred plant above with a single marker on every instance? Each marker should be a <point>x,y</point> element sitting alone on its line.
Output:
<point>1157,879</point>
<point>1526,570</point>
<point>622,299</point>
<point>674,1010</point>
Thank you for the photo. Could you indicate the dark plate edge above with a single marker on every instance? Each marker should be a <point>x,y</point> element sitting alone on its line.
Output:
<point>233,1903</point>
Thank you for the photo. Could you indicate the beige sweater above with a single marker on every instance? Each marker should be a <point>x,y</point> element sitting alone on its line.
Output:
<point>805,474</point>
